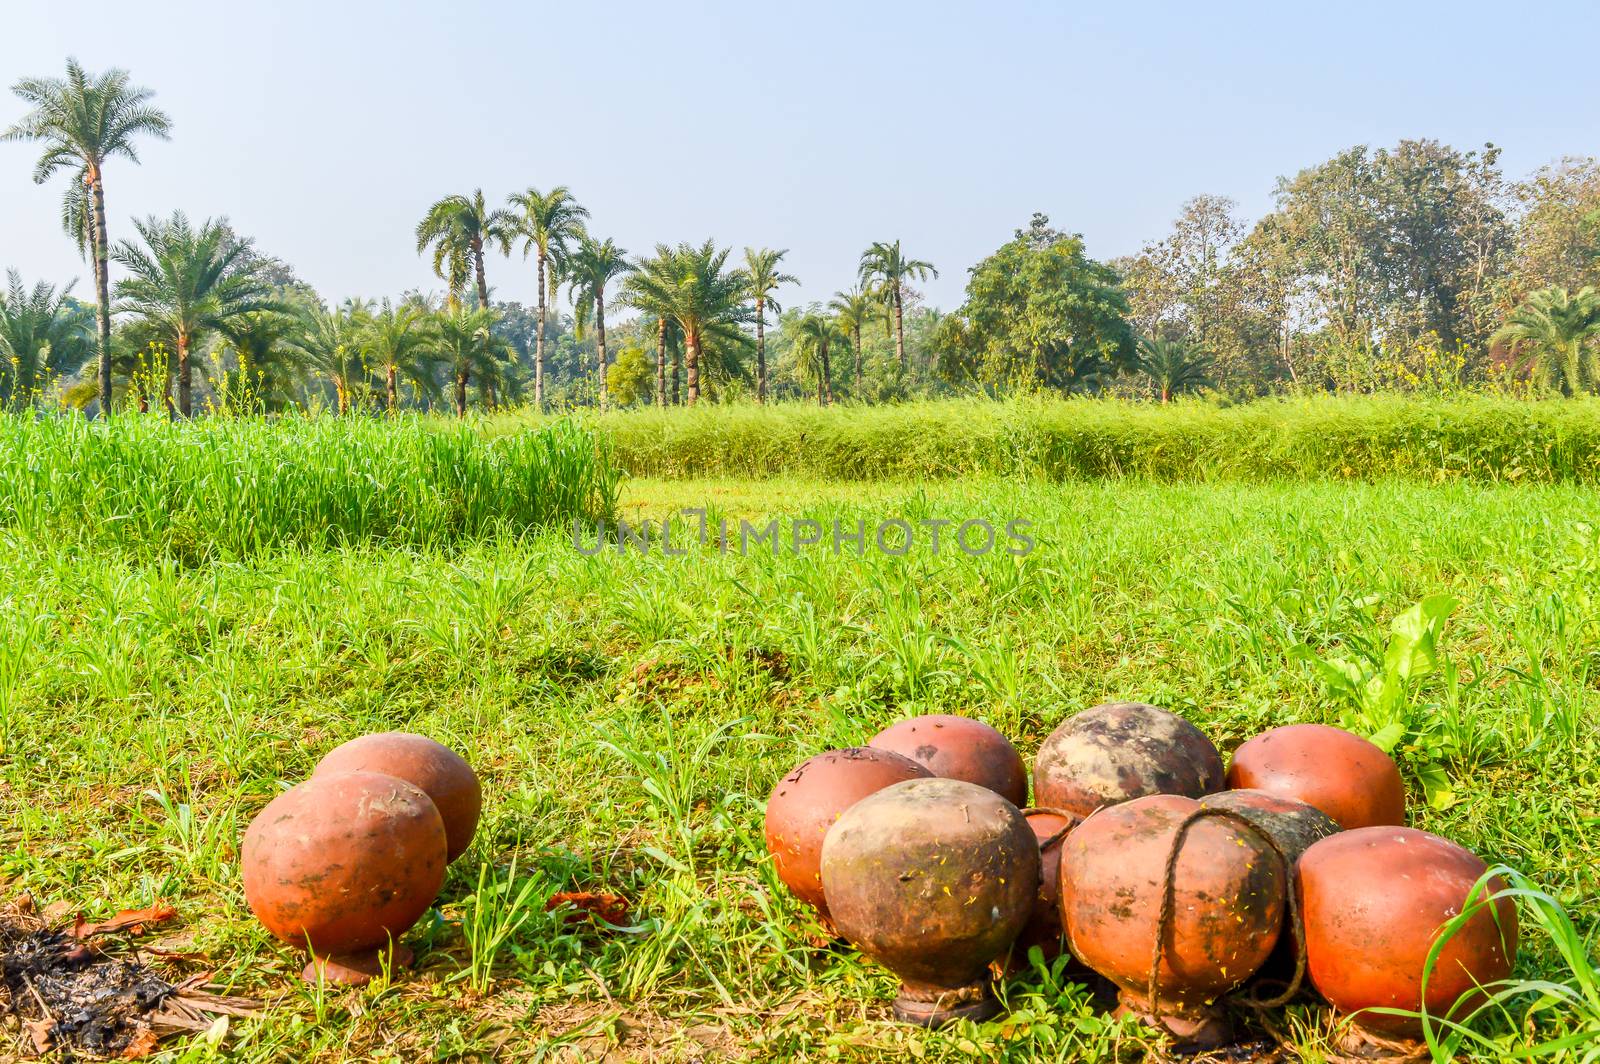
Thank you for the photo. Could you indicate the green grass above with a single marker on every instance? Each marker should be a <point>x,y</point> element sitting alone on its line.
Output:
<point>1327,437</point>
<point>630,713</point>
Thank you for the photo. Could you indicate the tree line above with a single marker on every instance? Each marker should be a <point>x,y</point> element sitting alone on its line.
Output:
<point>1418,267</point>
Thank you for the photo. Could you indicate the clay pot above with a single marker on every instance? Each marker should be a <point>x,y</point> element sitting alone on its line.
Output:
<point>1119,751</point>
<point>1374,901</point>
<point>1044,929</point>
<point>442,774</point>
<point>1341,774</point>
<point>344,864</point>
<point>807,801</point>
<point>933,879</point>
<point>1229,901</point>
<point>958,748</point>
<point>1294,826</point>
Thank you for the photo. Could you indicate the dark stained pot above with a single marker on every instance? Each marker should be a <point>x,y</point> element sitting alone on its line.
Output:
<point>1119,751</point>
<point>344,864</point>
<point>1340,773</point>
<point>959,748</point>
<point>1229,905</point>
<point>1044,924</point>
<point>1374,901</point>
<point>933,879</point>
<point>807,801</point>
<point>442,774</point>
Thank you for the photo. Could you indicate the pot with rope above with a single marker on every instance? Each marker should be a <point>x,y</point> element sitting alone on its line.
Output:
<point>1051,827</point>
<point>1177,905</point>
<point>1120,751</point>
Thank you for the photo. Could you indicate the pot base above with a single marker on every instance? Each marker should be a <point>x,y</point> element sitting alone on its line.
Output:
<point>1355,1042</point>
<point>356,969</point>
<point>936,1006</point>
<point>1192,1030</point>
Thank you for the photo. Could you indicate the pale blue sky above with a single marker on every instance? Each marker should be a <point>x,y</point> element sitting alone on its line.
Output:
<point>325,128</point>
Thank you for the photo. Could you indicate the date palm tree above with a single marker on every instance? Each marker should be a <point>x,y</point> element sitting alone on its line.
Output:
<point>269,360</point>
<point>648,289</point>
<point>815,335</point>
<point>886,271</point>
<point>395,341</point>
<point>762,269</point>
<point>694,287</point>
<point>855,310</point>
<point>465,341</point>
<point>1174,367</point>
<point>548,223</point>
<point>1552,334</point>
<point>593,265</point>
<point>43,334</point>
<point>189,282</point>
<point>83,121</point>
<point>330,341</point>
<point>458,228</point>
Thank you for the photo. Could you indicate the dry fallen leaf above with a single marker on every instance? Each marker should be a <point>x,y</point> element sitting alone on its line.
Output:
<point>133,921</point>
<point>612,908</point>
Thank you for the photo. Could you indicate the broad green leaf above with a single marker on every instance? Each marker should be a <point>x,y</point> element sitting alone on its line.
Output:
<point>1388,737</point>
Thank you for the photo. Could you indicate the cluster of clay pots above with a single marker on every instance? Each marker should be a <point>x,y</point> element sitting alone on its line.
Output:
<point>343,863</point>
<point>1178,881</point>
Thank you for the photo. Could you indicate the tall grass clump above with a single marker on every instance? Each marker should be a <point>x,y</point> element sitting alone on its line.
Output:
<point>233,488</point>
<point>1364,438</point>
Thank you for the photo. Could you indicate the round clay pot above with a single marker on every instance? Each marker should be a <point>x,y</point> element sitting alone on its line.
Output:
<point>1294,826</point>
<point>959,748</point>
<point>933,879</point>
<point>1374,901</point>
<point>444,776</point>
<point>1341,774</point>
<point>807,801</point>
<point>1119,751</point>
<point>1044,929</point>
<point>1230,895</point>
<point>343,864</point>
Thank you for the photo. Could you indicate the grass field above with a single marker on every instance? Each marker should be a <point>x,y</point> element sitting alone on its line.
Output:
<point>629,714</point>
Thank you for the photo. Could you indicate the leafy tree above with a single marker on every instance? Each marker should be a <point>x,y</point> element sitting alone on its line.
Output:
<point>1558,230</point>
<point>1551,334</point>
<point>815,335</point>
<point>465,340</point>
<point>1039,313</point>
<point>628,378</point>
<point>591,267</point>
<point>43,334</point>
<point>186,281</point>
<point>83,121</point>
<point>457,228</point>
<point>855,310</point>
<point>692,285</point>
<point>395,340</point>
<point>761,267</point>
<point>548,223</point>
<point>1174,367</point>
<point>886,271</point>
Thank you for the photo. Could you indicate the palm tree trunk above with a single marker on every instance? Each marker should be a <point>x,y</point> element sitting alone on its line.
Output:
<point>490,399</point>
<point>858,361</point>
<point>761,349</point>
<point>677,373</point>
<point>827,375</point>
<point>899,330</point>
<point>538,345</point>
<point>477,266</point>
<point>102,286</point>
<point>691,352</point>
<point>185,378</point>
<point>600,340</point>
<point>461,391</point>
<point>394,391</point>
<point>661,362</point>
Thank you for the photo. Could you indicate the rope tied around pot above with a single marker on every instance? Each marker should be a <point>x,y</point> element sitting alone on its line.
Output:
<point>1074,820</point>
<point>1169,906</point>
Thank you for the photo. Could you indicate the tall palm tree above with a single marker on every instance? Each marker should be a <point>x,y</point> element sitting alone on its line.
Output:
<point>1551,335</point>
<point>590,267</point>
<point>83,120</point>
<point>548,223</point>
<point>765,277</point>
<point>885,271</point>
<point>189,281</point>
<point>43,334</point>
<point>458,228</point>
<point>1174,367</point>
<point>465,340</point>
<point>649,290</point>
<point>815,334</point>
<point>694,287</point>
<point>396,341</point>
<point>855,310</point>
<point>331,340</point>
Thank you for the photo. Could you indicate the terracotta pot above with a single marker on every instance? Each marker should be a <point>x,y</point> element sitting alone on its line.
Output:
<point>1229,901</point>
<point>1294,826</point>
<point>958,748</point>
<point>1119,751</point>
<point>1374,901</point>
<point>344,864</point>
<point>1044,929</point>
<point>1341,774</point>
<point>933,879</point>
<point>444,776</point>
<point>807,801</point>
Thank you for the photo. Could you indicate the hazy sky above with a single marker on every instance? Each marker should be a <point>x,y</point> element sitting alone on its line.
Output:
<point>325,129</point>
